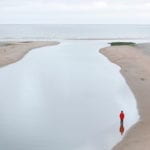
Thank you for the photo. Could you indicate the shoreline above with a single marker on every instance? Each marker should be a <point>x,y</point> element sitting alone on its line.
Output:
<point>134,62</point>
<point>11,52</point>
<point>103,39</point>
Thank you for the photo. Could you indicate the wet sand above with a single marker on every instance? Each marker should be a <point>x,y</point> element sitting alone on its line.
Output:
<point>135,67</point>
<point>10,52</point>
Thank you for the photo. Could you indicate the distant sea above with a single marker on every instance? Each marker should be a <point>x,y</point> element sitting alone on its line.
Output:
<point>48,32</point>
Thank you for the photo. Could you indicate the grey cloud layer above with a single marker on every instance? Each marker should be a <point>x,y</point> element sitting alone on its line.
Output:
<point>75,1</point>
<point>98,10</point>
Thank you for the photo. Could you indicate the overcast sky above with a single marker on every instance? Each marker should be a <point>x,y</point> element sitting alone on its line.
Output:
<point>75,11</point>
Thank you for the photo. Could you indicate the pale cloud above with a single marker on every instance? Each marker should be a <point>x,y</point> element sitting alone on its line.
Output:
<point>74,11</point>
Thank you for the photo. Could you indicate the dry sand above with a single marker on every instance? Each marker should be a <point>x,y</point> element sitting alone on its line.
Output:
<point>10,52</point>
<point>135,67</point>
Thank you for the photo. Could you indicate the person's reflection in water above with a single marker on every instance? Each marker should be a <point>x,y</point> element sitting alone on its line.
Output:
<point>121,129</point>
<point>121,122</point>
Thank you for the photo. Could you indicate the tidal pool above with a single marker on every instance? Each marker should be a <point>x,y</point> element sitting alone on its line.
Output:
<point>64,97</point>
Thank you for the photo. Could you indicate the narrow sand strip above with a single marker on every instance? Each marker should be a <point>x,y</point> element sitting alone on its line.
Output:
<point>10,52</point>
<point>135,67</point>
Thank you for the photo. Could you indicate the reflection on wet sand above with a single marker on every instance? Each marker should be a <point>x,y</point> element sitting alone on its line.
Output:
<point>122,129</point>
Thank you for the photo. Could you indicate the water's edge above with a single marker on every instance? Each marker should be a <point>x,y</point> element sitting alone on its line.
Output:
<point>92,55</point>
<point>138,119</point>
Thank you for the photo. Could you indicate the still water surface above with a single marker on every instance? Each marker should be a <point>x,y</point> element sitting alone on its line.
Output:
<point>65,97</point>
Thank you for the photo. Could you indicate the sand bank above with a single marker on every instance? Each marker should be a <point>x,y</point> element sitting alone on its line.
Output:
<point>10,52</point>
<point>135,67</point>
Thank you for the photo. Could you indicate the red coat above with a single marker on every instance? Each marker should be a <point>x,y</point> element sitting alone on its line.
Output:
<point>122,116</point>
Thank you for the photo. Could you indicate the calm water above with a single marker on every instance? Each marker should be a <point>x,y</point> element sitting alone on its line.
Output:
<point>44,32</point>
<point>65,97</point>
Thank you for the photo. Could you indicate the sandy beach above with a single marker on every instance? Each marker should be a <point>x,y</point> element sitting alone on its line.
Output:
<point>10,52</point>
<point>134,62</point>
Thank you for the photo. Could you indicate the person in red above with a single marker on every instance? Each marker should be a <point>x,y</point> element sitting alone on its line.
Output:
<point>122,116</point>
